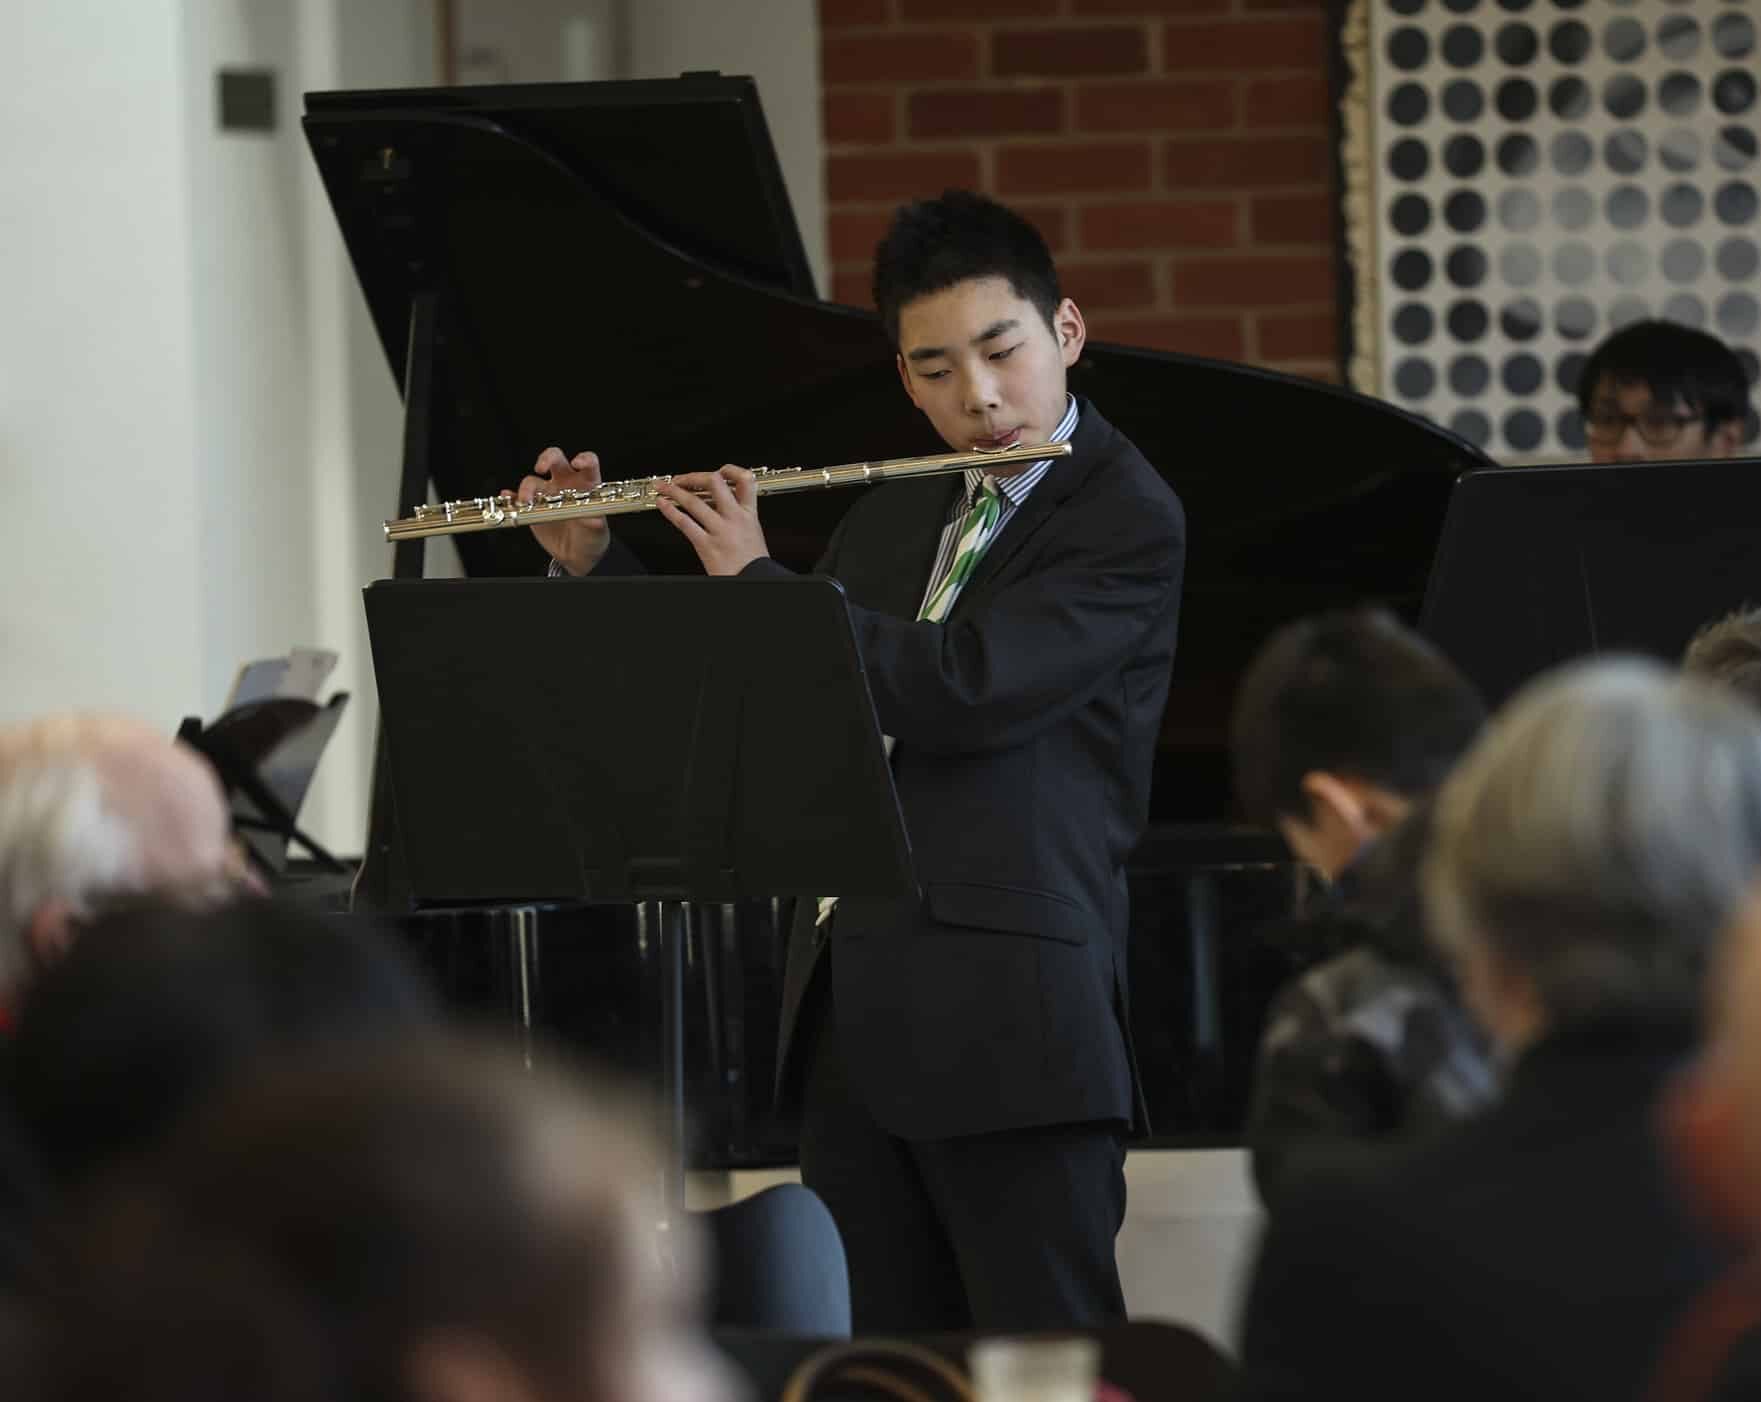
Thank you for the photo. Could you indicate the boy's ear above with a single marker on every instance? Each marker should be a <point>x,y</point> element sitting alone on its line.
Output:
<point>1071,331</point>
<point>1333,797</point>
<point>1363,808</point>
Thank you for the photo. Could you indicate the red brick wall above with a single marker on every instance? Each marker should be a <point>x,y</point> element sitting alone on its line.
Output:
<point>1174,153</point>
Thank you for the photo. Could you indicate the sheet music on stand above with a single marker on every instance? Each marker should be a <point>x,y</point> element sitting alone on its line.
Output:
<point>266,745</point>
<point>298,675</point>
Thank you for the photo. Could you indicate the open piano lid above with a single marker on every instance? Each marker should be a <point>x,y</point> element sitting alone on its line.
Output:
<point>616,266</point>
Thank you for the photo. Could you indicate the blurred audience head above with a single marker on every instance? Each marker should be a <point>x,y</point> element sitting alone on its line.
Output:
<point>1729,652</point>
<point>438,1224</point>
<point>157,1006</point>
<point>1657,389</point>
<point>94,808</point>
<point>1343,721</point>
<point>1590,846</point>
<point>1713,1118</point>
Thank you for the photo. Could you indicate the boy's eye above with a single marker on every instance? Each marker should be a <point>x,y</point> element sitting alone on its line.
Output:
<point>935,374</point>
<point>1005,354</point>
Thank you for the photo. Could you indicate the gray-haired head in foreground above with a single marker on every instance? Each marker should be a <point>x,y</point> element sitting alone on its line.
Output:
<point>1729,651</point>
<point>1599,835</point>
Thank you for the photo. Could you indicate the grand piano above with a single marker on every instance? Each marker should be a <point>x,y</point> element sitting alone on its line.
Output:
<point>616,266</point>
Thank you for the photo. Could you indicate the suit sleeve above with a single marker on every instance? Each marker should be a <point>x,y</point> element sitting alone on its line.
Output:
<point>828,562</point>
<point>618,560</point>
<point>1038,649</point>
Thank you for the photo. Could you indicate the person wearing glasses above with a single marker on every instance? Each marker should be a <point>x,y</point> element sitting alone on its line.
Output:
<point>1656,390</point>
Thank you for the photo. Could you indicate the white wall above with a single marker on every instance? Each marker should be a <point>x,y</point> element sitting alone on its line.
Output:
<point>99,598</point>
<point>252,363</point>
<point>538,41</point>
<point>774,41</point>
<point>777,43</point>
<point>198,430</point>
<point>198,435</point>
<point>355,416</point>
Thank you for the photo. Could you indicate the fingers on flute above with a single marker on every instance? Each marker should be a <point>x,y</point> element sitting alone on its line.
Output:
<point>719,490</point>
<point>681,519</point>
<point>742,481</point>
<point>588,465</point>
<point>684,498</point>
<point>535,480</point>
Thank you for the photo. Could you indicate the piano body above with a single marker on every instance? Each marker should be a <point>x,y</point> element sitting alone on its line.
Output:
<point>615,266</point>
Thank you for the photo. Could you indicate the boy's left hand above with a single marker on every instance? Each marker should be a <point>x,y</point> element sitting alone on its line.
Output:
<point>721,525</point>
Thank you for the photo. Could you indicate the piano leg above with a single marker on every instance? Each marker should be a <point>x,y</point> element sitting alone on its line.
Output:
<point>662,926</point>
<point>522,925</point>
<point>1205,1009</point>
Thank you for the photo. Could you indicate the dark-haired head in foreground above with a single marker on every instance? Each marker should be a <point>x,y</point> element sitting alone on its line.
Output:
<point>970,297</point>
<point>433,1224</point>
<point>155,1007</point>
<point>1345,725</point>
<point>1656,390</point>
<point>1342,722</point>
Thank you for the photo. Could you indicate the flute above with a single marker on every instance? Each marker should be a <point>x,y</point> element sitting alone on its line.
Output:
<point>643,493</point>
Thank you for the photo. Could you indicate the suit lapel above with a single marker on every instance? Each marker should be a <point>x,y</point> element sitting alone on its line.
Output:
<point>902,541</point>
<point>1063,481</point>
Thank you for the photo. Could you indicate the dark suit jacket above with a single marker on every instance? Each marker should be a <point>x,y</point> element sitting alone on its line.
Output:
<point>1542,1250</point>
<point>1025,728</point>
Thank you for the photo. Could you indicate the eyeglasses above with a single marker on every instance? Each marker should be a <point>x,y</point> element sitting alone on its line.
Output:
<point>1658,427</point>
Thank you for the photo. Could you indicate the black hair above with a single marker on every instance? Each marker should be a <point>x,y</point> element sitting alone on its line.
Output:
<point>934,244</point>
<point>154,1007</point>
<point>1351,693</point>
<point>1678,364</point>
<point>1728,652</point>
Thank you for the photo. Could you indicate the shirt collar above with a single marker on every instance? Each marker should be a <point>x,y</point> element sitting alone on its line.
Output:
<point>1015,489</point>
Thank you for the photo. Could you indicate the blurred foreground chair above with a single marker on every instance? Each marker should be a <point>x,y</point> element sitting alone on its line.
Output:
<point>779,1265</point>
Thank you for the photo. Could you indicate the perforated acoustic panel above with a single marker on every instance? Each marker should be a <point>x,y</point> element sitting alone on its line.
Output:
<point>1543,172</point>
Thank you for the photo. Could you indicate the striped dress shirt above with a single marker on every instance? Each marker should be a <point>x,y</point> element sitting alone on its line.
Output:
<point>1013,491</point>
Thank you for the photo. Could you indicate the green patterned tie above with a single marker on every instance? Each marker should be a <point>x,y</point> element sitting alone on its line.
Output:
<point>975,534</point>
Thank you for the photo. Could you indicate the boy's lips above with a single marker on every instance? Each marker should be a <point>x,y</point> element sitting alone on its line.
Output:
<point>1001,440</point>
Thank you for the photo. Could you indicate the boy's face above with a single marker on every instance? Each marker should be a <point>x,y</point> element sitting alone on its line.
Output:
<point>1626,424</point>
<point>981,362</point>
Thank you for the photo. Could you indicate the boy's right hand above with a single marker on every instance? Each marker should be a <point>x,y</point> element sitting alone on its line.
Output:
<point>576,545</point>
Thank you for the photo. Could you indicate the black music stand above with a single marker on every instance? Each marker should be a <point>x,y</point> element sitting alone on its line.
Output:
<point>652,740</point>
<point>1539,565</point>
<point>266,752</point>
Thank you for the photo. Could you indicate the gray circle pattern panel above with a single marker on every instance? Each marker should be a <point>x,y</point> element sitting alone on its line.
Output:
<point>1546,173</point>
